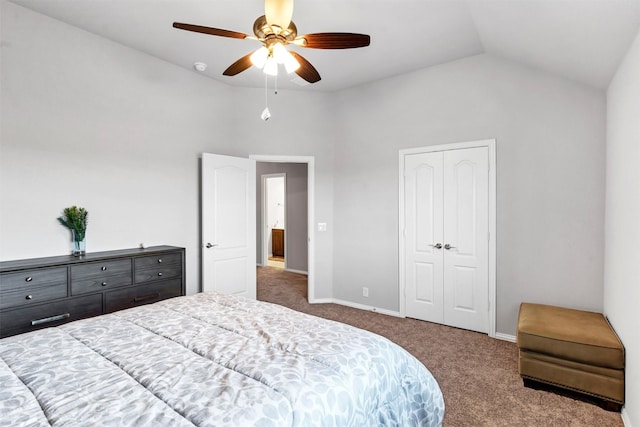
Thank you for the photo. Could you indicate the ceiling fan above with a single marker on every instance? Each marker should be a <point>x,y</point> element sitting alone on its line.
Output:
<point>275,30</point>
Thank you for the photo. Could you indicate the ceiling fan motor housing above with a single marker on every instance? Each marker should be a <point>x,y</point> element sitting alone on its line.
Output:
<point>272,34</point>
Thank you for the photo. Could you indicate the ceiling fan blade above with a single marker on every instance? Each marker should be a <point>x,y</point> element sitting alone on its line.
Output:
<point>210,30</point>
<point>306,70</point>
<point>239,66</point>
<point>333,40</point>
<point>278,12</point>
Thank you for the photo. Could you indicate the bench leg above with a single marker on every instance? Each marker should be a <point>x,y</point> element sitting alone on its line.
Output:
<point>611,406</point>
<point>607,405</point>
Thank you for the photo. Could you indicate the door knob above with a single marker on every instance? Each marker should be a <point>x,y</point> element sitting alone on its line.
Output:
<point>437,246</point>
<point>209,245</point>
<point>448,246</point>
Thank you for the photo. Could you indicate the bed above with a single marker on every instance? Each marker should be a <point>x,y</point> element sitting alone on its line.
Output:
<point>212,359</point>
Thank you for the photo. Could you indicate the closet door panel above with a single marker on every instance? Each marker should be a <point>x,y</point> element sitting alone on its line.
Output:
<point>423,231</point>
<point>466,229</point>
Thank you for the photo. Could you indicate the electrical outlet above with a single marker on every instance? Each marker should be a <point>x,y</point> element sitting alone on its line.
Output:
<point>365,292</point>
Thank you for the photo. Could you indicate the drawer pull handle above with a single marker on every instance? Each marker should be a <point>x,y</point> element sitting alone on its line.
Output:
<point>160,274</point>
<point>28,279</point>
<point>50,319</point>
<point>104,283</point>
<point>29,297</point>
<point>103,268</point>
<point>159,260</point>
<point>146,297</point>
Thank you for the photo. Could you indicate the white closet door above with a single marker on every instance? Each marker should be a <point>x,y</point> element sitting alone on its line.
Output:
<point>423,233</point>
<point>446,247</point>
<point>466,230</point>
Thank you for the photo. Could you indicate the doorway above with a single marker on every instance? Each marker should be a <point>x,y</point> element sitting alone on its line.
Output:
<point>306,241</point>
<point>274,219</point>
<point>447,234</point>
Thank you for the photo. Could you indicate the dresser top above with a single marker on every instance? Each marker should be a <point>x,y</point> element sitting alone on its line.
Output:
<point>92,256</point>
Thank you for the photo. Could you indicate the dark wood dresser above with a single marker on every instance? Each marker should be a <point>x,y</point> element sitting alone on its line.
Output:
<point>41,292</point>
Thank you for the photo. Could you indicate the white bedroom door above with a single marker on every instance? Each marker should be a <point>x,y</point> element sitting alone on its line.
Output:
<point>229,225</point>
<point>446,247</point>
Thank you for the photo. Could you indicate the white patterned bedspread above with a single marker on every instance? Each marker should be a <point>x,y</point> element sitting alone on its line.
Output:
<point>212,360</point>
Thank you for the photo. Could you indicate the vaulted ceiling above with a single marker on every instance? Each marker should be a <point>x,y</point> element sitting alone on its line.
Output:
<point>583,40</point>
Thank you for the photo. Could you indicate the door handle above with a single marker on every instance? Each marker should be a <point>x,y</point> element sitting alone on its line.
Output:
<point>438,246</point>
<point>209,245</point>
<point>448,246</point>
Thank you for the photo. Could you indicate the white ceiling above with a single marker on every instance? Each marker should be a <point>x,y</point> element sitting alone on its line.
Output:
<point>583,40</point>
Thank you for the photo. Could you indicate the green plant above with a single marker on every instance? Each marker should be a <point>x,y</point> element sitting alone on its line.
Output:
<point>75,219</point>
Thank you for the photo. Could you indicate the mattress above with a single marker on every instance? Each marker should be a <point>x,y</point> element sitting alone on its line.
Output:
<point>212,360</point>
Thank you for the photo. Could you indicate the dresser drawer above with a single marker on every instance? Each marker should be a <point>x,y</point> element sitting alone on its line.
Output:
<point>97,276</point>
<point>26,279</point>
<point>144,294</point>
<point>32,295</point>
<point>157,267</point>
<point>27,319</point>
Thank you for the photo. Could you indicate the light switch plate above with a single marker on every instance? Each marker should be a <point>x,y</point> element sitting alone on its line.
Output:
<point>322,226</point>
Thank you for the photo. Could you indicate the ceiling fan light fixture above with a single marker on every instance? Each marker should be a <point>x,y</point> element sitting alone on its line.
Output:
<point>271,67</point>
<point>291,64</point>
<point>259,57</point>
<point>280,53</point>
<point>278,12</point>
<point>283,56</point>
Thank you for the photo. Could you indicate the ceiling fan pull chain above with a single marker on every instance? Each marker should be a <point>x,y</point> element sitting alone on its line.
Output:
<point>266,91</point>
<point>276,84</point>
<point>266,114</point>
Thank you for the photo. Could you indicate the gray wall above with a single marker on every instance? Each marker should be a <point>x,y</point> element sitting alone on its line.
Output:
<point>296,211</point>
<point>622,224</point>
<point>90,122</point>
<point>550,136</point>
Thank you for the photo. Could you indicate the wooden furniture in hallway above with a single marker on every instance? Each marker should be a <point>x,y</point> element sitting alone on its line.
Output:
<point>277,241</point>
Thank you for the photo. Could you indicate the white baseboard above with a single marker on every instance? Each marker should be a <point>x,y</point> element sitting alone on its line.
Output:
<point>320,301</point>
<point>355,305</point>
<point>505,337</point>
<point>625,417</point>
<point>499,335</point>
<point>291,270</point>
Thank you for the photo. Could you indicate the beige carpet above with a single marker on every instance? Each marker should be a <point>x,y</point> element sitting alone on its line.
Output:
<point>478,375</point>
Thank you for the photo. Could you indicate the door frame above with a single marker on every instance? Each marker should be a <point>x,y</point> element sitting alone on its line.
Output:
<point>310,161</point>
<point>265,226</point>
<point>491,145</point>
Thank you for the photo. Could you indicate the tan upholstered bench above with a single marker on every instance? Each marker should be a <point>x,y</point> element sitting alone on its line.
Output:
<point>572,349</point>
